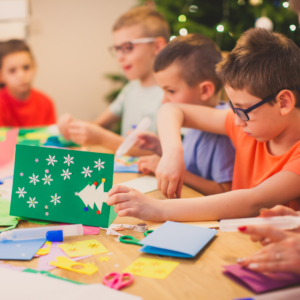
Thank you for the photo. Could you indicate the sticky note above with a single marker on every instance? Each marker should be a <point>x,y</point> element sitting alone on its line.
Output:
<point>89,247</point>
<point>68,264</point>
<point>153,268</point>
<point>20,250</point>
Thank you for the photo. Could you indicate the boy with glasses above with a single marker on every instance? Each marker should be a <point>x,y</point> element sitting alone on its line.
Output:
<point>262,79</point>
<point>138,36</point>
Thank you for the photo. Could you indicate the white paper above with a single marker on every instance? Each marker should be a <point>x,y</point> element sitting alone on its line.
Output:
<point>144,184</point>
<point>21,285</point>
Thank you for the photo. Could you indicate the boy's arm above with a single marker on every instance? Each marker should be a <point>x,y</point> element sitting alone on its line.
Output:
<point>107,118</point>
<point>278,189</point>
<point>204,186</point>
<point>171,117</point>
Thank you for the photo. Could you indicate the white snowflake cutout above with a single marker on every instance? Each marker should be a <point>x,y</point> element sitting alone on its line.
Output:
<point>68,160</point>
<point>47,179</point>
<point>55,199</point>
<point>99,164</point>
<point>66,174</point>
<point>21,192</point>
<point>32,202</point>
<point>86,172</point>
<point>51,160</point>
<point>34,179</point>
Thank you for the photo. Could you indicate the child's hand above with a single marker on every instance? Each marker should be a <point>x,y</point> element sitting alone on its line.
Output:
<point>149,141</point>
<point>170,174</point>
<point>132,203</point>
<point>148,164</point>
<point>63,125</point>
<point>84,133</point>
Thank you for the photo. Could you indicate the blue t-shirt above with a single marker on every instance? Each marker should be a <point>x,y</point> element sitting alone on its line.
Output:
<point>208,155</point>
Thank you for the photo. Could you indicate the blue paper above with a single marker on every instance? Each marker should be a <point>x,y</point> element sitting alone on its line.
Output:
<point>20,250</point>
<point>126,164</point>
<point>177,239</point>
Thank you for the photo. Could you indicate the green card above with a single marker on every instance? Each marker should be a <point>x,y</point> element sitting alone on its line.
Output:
<point>62,185</point>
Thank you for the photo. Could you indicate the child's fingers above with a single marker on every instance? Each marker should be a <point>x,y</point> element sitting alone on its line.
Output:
<point>128,212</point>
<point>118,189</point>
<point>275,266</point>
<point>278,210</point>
<point>117,198</point>
<point>164,187</point>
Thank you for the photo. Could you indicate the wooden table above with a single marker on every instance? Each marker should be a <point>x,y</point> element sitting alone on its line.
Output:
<point>197,278</point>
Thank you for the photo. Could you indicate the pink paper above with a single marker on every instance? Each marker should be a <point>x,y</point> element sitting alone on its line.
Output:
<point>8,146</point>
<point>88,230</point>
<point>258,282</point>
<point>55,251</point>
<point>7,266</point>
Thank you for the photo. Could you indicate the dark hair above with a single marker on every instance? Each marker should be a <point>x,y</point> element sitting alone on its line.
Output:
<point>13,46</point>
<point>154,23</point>
<point>263,63</point>
<point>196,54</point>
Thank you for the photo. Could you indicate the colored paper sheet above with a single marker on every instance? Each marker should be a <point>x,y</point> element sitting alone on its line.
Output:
<point>88,230</point>
<point>89,247</point>
<point>7,147</point>
<point>153,268</point>
<point>126,164</point>
<point>20,250</point>
<point>55,251</point>
<point>208,224</point>
<point>144,184</point>
<point>5,218</point>
<point>15,268</point>
<point>28,285</point>
<point>62,185</point>
<point>258,282</point>
<point>44,250</point>
<point>177,239</point>
<point>286,294</point>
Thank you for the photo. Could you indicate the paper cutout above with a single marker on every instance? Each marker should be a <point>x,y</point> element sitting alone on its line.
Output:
<point>153,268</point>
<point>45,249</point>
<point>65,198</point>
<point>88,230</point>
<point>43,262</point>
<point>126,164</point>
<point>5,218</point>
<point>144,184</point>
<point>68,264</point>
<point>20,250</point>
<point>176,239</point>
<point>89,247</point>
<point>209,224</point>
<point>258,282</point>
<point>104,258</point>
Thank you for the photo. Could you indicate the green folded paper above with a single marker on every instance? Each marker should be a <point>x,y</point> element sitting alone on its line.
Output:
<point>5,218</point>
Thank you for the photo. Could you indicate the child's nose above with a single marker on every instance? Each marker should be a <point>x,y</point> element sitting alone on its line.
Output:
<point>239,122</point>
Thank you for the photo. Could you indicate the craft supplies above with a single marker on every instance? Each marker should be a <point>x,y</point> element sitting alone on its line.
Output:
<point>117,280</point>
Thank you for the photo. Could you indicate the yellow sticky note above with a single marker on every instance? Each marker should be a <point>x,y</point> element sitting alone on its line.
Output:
<point>153,268</point>
<point>89,247</point>
<point>68,264</point>
<point>45,249</point>
<point>104,258</point>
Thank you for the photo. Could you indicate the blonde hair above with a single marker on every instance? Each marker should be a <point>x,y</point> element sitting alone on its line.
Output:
<point>154,23</point>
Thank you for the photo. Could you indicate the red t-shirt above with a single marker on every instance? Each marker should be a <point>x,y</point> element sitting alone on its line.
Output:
<point>36,110</point>
<point>253,162</point>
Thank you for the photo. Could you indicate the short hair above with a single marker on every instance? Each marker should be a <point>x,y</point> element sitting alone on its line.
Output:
<point>196,54</point>
<point>154,23</point>
<point>263,63</point>
<point>13,46</point>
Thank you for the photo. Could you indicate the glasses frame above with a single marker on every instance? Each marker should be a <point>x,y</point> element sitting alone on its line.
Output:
<point>133,42</point>
<point>244,112</point>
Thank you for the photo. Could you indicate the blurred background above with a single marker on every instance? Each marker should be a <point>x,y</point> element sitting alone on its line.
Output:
<point>70,39</point>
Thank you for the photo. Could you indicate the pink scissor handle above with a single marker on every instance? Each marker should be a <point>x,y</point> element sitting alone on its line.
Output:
<point>117,281</point>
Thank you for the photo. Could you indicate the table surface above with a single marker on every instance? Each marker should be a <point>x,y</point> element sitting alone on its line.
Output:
<point>197,278</point>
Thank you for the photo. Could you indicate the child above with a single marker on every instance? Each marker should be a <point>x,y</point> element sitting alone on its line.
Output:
<point>262,78</point>
<point>20,105</point>
<point>138,36</point>
<point>185,70</point>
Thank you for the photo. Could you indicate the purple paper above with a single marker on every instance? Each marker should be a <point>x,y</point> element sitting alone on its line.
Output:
<point>258,282</point>
<point>54,252</point>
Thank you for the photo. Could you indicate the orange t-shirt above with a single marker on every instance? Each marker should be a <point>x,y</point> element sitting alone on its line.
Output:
<point>36,110</point>
<point>254,164</point>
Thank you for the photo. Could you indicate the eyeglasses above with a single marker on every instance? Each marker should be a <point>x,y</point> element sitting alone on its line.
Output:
<point>243,113</point>
<point>127,47</point>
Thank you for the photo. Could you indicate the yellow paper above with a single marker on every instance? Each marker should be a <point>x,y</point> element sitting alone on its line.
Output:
<point>68,264</point>
<point>37,136</point>
<point>89,247</point>
<point>44,251</point>
<point>104,258</point>
<point>153,268</point>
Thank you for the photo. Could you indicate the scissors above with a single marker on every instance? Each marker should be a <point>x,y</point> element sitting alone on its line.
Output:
<point>128,239</point>
<point>117,281</point>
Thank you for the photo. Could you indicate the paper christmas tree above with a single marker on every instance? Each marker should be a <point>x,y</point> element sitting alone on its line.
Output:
<point>62,185</point>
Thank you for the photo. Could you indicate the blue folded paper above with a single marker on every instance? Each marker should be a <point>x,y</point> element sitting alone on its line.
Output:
<point>177,239</point>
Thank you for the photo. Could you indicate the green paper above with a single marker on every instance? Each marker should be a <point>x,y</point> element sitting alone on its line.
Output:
<point>62,185</point>
<point>39,222</point>
<point>5,218</point>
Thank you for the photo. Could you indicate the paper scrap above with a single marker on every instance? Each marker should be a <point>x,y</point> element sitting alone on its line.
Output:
<point>88,230</point>
<point>68,264</point>
<point>44,250</point>
<point>126,164</point>
<point>206,224</point>
<point>144,184</point>
<point>15,268</point>
<point>89,247</point>
<point>104,258</point>
<point>153,268</point>
<point>5,218</point>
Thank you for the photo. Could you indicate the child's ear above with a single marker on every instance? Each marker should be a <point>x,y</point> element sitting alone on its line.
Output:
<point>206,90</point>
<point>286,101</point>
<point>159,44</point>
